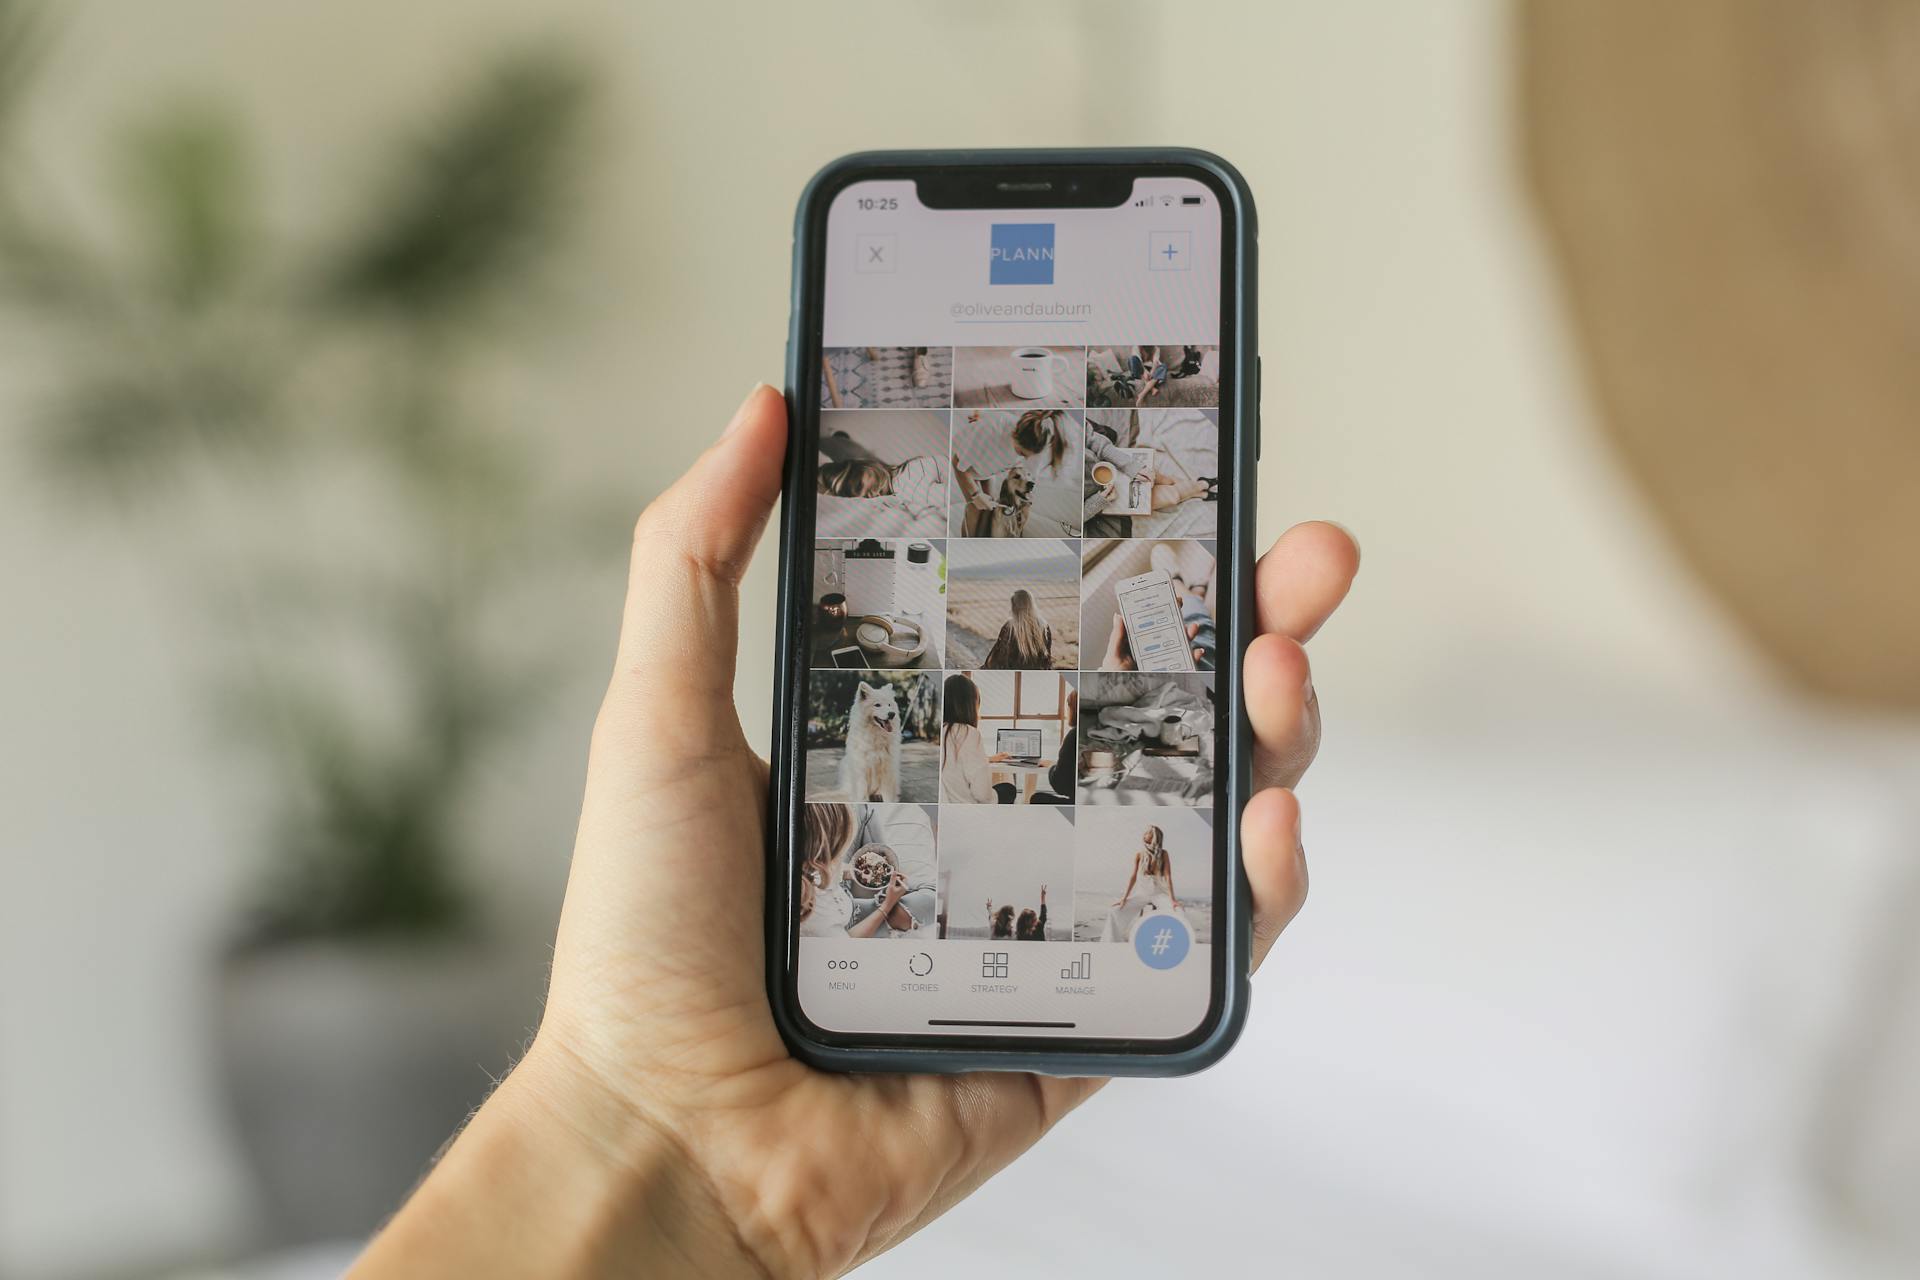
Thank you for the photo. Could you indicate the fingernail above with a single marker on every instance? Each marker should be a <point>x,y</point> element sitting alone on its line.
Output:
<point>740,414</point>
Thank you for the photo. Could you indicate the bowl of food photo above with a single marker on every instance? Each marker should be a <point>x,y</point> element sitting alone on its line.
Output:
<point>870,869</point>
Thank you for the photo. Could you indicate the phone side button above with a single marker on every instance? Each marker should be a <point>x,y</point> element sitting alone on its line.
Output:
<point>1259,384</point>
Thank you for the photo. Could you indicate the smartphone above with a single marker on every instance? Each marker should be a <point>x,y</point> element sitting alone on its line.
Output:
<point>965,314</point>
<point>1156,634</point>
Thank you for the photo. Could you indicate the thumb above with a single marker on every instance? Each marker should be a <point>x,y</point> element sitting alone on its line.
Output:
<point>679,632</point>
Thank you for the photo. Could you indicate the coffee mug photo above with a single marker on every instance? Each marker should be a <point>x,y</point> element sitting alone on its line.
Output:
<point>1152,473</point>
<point>1018,377</point>
<point>1145,739</point>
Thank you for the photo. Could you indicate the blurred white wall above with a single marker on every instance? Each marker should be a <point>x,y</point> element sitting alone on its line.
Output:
<point>1419,390</point>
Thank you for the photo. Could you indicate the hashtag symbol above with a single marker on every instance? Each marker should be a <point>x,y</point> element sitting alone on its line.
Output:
<point>1162,940</point>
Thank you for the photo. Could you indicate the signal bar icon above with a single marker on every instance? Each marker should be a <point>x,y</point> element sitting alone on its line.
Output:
<point>1080,970</point>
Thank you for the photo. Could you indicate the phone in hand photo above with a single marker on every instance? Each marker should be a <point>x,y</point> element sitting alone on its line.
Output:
<point>1033,313</point>
<point>1156,634</point>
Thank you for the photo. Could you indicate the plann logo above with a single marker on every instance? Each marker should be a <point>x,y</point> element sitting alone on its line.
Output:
<point>1022,253</point>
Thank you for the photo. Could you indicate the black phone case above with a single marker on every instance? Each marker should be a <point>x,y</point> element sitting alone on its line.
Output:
<point>1233,942</point>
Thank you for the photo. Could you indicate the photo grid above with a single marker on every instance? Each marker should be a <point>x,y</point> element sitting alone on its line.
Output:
<point>1012,644</point>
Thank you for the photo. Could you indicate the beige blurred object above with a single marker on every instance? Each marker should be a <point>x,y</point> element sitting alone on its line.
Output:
<point>1731,191</point>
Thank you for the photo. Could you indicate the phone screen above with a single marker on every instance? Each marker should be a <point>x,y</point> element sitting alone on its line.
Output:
<point>1155,629</point>
<point>1016,504</point>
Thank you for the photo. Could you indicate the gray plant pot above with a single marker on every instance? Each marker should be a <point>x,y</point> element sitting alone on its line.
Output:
<point>349,1063</point>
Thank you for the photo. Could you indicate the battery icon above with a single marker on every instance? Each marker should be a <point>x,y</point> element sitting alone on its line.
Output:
<point>1190,199</point>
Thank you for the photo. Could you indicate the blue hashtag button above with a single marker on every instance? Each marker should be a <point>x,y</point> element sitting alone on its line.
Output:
<point>1161,941</point>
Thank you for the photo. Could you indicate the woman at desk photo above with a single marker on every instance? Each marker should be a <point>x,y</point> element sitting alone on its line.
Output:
<point>964,775</point>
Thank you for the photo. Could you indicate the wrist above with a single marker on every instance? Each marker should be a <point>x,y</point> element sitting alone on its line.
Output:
<point>556,1175</point>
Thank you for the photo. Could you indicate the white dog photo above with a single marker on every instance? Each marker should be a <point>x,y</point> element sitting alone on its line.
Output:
<point>871,768</point>
<point>873,736</point>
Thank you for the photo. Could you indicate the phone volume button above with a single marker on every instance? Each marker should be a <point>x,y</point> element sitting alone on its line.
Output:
<point>1259,384</point>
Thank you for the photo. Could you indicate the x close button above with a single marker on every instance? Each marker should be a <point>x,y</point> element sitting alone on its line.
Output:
<point>875,251</point>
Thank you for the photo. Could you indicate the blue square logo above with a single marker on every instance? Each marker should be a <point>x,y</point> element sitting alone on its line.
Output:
<point>1022,253</point>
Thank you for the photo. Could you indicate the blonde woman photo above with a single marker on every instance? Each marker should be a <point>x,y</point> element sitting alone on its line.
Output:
<point>1151,864</point>
<point>1025,642</point>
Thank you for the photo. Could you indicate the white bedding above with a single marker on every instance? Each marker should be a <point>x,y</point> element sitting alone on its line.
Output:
<point>1187,445</point>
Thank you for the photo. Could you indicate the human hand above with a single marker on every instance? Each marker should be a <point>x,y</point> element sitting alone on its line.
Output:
<point>1199,654</point>
<point>896,890</point>
<point>657,1124</point>
<point>1118,656</point>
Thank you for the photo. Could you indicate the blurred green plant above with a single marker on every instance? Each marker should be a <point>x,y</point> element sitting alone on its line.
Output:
<point>830,703</point>
<point>202,374</point>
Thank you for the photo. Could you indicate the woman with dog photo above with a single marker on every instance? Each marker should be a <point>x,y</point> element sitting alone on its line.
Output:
<point>1015,475</point>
